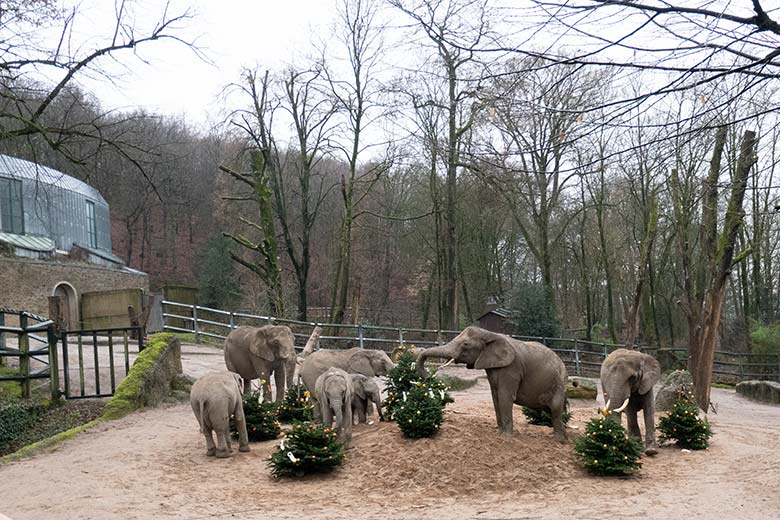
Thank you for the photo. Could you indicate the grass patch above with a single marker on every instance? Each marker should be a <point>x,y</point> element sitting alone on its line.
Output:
<point>9,390</point>
<point>727,386</point>
<point>456,383</point>
<point>189,337</point>
<point>50,441</point>
<point>128,395</point>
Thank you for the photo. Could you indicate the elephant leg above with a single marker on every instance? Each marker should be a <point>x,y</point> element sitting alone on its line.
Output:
<point>223,442</point>
<point>346,425</point>
<point>557,406</point>
<point>326,413</point>
<point>316,409</point>
<point>506,400</point>
<point>362,411</point>
<point>247,386</point>
<point>379,409</point>
<point>211,449</point>
<point>279,378</point>
<point>494,394</point>
<point>633,423</point>
<point>651,445</point>
<point>243,439</point>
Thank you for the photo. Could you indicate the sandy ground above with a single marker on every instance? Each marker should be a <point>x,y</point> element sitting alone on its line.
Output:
<point>152,464</point>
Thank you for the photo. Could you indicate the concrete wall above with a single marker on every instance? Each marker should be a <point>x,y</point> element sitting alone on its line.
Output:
<point>26,284</point>
<point>108,309</point>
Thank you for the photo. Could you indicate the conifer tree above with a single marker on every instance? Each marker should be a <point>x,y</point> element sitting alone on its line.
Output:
<point>605,449</point>
<point>684,425</point>
<point>306,448</point>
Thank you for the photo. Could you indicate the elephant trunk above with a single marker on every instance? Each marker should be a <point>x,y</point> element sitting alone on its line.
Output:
<point>445,351</point>
<point>337,405</point>
<point>378,402</point>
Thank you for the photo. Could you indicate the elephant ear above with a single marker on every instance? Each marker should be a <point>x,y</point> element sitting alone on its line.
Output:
<point>651,373</point>
<point>359,390</point>
<point>496,353</point>
<point>360,363</point>
<point>259,346</point>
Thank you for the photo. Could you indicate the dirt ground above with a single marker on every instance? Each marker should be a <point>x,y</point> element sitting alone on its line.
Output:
<point>152,464</point>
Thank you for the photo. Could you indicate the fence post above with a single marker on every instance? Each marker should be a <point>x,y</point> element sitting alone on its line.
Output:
<point>438,337</point>
<point>360,335</point>
<point>195,326</point>
<point>400,337</point>
<point>24,360</point>
<point>54,364</point>
<point>232,320</point>
<point>2,337</point>
<point>576,358</point>
<point>604,346</point>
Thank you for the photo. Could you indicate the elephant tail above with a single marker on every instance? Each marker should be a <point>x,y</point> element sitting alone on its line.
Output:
<point>202,409</point>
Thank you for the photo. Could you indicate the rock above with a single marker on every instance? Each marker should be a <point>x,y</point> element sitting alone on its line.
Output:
<point>763,391</point>
<point>674,383</point>
<point>585,388</point>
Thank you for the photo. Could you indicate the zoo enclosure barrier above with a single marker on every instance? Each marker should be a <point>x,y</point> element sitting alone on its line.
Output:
<point>582,358</point>
<point>61,355</point>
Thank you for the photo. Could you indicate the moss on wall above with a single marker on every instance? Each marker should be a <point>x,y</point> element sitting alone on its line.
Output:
<point>129,396</point>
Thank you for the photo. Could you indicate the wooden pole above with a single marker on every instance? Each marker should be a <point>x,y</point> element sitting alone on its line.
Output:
<point>24,360</point>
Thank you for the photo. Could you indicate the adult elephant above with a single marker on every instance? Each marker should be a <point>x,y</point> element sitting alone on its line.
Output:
<point>370,363</point>
<point>627,379</point>
<point>519,372</point>
<point>258,352</point>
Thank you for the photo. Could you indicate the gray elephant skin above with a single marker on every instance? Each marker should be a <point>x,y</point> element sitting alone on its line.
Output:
<point>370,363</point>
<point>519,372</point>
<point>214,398</point>
<point>366,393</point>
<point>627,379</point>
<point>334,391</point>
<point>259,352</point>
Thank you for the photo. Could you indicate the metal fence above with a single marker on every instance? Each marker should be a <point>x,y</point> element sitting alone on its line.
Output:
<point>33,340</point>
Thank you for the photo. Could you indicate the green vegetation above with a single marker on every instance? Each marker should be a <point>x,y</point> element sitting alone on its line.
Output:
<point>420,412</point>
<point>15,419</point>
<point>9,390</point>
<point>218,286</point>
<point>605,449</point>
<point>127,397</point>
<point>765,339</point>
<point>261,422</point>
<point>533,312</point>
<point>684,425</point>
<point>307,448</point>
<point>296,405</point>
<point>543,417</point>
<point>403,378</point>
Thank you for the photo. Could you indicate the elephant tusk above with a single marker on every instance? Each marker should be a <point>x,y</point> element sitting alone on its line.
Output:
<point>623,406</point>
<point>451,361</point>
<point>605,410</point>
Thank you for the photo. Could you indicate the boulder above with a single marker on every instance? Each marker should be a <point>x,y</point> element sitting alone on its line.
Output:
<point>673,384</point>
<point>581,388</point>
<point>763,391</point>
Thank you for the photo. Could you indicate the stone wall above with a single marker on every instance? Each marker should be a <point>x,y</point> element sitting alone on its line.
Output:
<point>762,391</point>
<point>26,284</point>
<point>108,309</point>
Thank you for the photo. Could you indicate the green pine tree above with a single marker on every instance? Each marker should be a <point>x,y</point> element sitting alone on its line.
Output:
<point>403,378</point>
<point>296,405</point>
<point>605,449</point>
<point>306,448</point>
<point>542,416</point>
<point>261,422</point>
<point>420,412</point>
<point>684,425</point>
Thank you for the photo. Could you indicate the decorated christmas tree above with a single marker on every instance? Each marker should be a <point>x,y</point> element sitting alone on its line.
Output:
<point>684,425</point>
<point>420,412</point>
<point>306,448</point>
<point>296,405</point>
<point>261,422</point>
<point>402,379</point>
<point>605,449</point>
<point>542,416</point>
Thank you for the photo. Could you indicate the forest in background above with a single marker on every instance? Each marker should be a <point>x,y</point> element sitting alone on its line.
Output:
<point>415,194</point>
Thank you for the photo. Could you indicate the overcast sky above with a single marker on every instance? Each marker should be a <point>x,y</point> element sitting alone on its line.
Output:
<point>232,33</point>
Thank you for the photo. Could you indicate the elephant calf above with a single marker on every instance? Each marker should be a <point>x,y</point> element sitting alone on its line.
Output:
<point>214,398</point>
<point>366,392</point>
<point>334,393</point>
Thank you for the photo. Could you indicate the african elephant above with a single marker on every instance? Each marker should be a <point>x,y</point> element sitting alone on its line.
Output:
<point>214,398</point>
<point>333,390</point>
<point>366,392</point>
<point>627,379</point>
<point>258,352</point>
<point>370,363</point>
<point>519,372</point>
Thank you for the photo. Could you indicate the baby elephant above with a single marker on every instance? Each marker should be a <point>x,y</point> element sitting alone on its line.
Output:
<point>214,398</point>
<point>366,392</point>
<point>334,391</point>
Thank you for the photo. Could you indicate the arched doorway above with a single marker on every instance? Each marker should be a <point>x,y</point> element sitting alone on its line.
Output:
<point>70,304</point>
